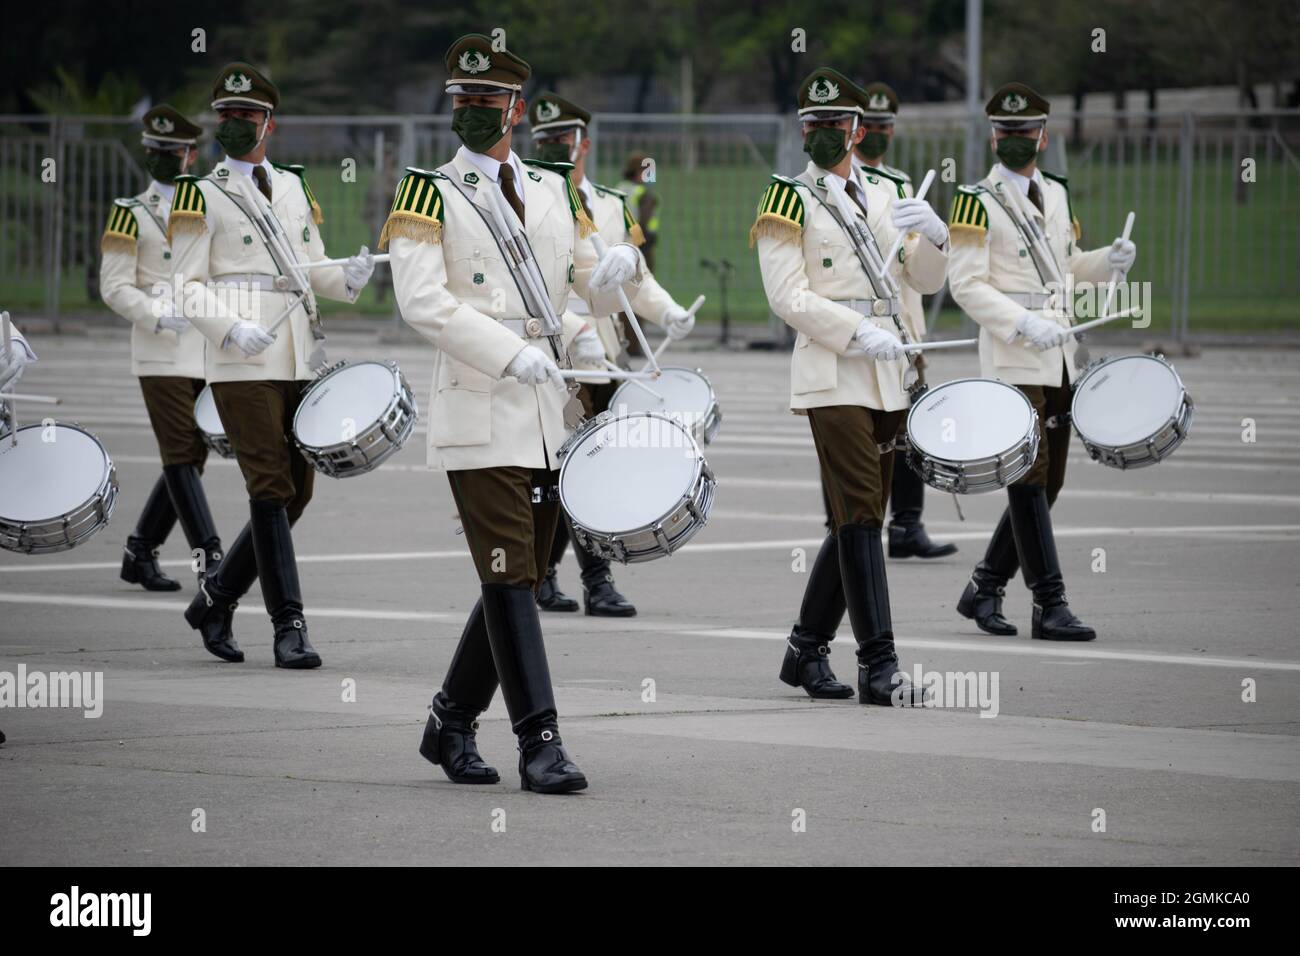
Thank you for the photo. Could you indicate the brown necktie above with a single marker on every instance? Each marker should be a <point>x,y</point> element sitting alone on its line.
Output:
<point>508,190</point>
<point>1035,195</point>
<point>263,181</point>
<point>855,191</point>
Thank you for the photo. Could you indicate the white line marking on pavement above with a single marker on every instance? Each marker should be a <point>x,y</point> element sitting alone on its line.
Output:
<point>178,608</point>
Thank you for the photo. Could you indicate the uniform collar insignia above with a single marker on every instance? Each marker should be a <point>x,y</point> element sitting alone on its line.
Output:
<point>222,172</point>
<point>471,178</point>
<point>821,181</point>
<point>154,197</point>
<point>534,177</point>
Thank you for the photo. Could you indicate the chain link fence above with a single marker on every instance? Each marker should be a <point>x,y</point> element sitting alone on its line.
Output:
<point>1217,197</point>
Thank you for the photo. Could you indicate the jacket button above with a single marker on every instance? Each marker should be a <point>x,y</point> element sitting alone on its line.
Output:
<point>454,383</point>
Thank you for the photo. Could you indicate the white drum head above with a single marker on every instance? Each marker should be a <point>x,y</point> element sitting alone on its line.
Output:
<point>44,480</point>
<point>358,394</point>
<point>628,473</point>
<point>205,413</point>
<point>684,390</point>
<point>969,420</point>
<point>1126,400</point>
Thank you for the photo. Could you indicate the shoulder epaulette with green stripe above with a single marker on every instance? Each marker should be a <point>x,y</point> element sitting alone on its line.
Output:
<point>780,213</point>
<point>969,218</point>
<point>317,216</point>
<point>123,229</point>
<point>896,176</point>
<point>633,228</point>
<point>1069,207</point>
<point>418,211</point>
<point>189,212</point>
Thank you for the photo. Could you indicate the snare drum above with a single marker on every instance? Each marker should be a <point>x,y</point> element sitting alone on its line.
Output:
<point>354,417</point>
<point>688,396</point>
<point>1131,411</point>
<point>972,435</point>
<point>635,487</point>
<point>209,422</point>
<point>57,488</point>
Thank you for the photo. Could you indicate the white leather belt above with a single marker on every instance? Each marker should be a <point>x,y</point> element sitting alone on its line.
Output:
<point>578,305</point>
<point>876,308</point>
<point>529,328</point>
<point>1030,300</point>
<point>257,280</point>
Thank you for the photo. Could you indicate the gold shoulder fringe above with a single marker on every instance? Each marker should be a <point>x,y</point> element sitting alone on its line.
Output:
<point>960,230</point>
<point>771,226</point>
<point>636,234</point>
<point>585,226</point>
<point>317,216</point>
<point>186,223</point>
<point>1078,229</point>
<point>406,225</point>
<point>116,242</point>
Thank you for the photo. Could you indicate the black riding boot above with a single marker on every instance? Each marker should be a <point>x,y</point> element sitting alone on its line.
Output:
<point>866,591</point>
<point>907,537</point>
<point>515,634</point>
<point>807,653</point>
<point>191,504</point>
<point>982,599</point>
<point>278,571</point>
<point>449,735</point>
<point>600,597</point>
<point>212,611</point>
<point>140,563</point>
<point>1032,521</point>
<point>549,595</point>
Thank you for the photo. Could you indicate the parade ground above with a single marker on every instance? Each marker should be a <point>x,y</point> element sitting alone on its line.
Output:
<point>1172,739</point>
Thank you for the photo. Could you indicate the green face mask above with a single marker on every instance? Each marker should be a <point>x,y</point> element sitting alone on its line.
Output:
<point>479,127</point>
<point>827,146</point>
<point>874,144</point>
<point>1016,152</point>
<point>163,167</point>
<point>238,137</point>
<point>553,152</point>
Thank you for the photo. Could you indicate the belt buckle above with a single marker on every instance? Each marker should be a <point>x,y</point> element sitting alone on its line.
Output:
<point>879,307</point>
<point>533,327</point>
<point>281,283</point>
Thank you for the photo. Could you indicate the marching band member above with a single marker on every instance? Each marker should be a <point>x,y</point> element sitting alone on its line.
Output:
<point>821,240</point>
<point>559,130</point>
<point>243,227</point>
<point>497,412</point>
<point>907,536</point>
<point>167,353</point>
<point>1008,280</point>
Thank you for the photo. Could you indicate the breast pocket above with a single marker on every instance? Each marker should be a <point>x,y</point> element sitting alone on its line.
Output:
<point>831,258</point>
<point>475,270</point>
<point>461,412</point>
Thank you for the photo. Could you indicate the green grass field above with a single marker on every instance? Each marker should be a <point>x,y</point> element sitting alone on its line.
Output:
<point>1244,253</point>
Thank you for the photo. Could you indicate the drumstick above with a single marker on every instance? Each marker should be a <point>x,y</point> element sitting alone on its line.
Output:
<point>1126,314</point>
<point>7,329</point>
<point>595,372</point>
<point>663,346</point>
<point>635,381</point>
<point>34,399</point>
<point>599,245</point>
<point>947,344</point>
<point>920,194</point>
<point>1116,274</point>
<point>321,263</point>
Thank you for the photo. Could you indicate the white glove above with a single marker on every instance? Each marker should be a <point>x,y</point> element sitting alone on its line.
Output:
<point>249,338</point>
<point>916,215</point>
<point>678,322</point>
<point>1040,334</point>
<point>11,367</point>
<point>169,317</point>
<point>358,270</point>
<point>1122,254</point>
<point>532,366</point>
<point>877,343</point>
<point>617,266</point>
<point>588,349</point>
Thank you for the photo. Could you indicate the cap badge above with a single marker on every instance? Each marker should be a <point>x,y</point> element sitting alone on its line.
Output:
<point>878,101</point>
<point>547,111</point>
<point>1014,103</point>
<point>823,90</point>
<point>238,83</point>
<point>162,124</point>
<point>471,61</point>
